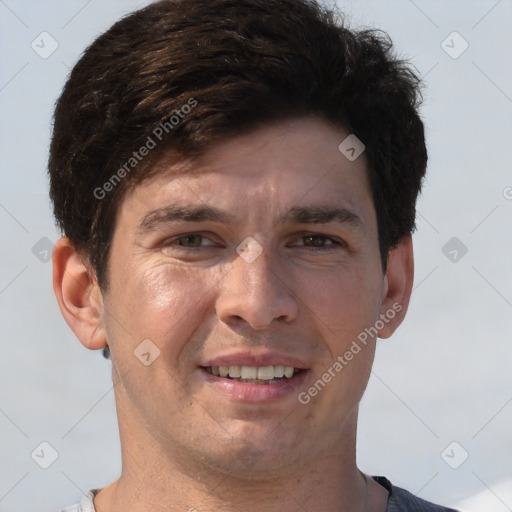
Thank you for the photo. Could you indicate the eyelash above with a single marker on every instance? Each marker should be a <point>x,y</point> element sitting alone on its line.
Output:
<point>334,244</point>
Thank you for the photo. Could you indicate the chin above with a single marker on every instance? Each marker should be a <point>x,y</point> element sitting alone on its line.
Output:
<point>252,453</point>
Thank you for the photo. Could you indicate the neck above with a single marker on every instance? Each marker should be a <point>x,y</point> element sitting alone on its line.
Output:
<point>216,493</point>
<point>152,479</point>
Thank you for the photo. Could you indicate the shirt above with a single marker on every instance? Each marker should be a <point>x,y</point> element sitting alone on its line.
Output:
<point>399,500</point>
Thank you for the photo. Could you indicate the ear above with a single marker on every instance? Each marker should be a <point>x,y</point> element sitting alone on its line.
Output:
<point>397,287</point>
<point>78,295</point>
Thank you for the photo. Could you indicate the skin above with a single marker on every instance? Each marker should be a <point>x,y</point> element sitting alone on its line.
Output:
<point>185,445</point>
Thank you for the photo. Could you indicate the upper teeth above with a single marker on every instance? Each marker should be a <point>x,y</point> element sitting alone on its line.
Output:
<point>254,372</point>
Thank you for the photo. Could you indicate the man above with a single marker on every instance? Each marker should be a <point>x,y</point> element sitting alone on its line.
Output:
<point>236,182</point>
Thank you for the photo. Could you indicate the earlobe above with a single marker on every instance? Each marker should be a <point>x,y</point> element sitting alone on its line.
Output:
<point>397,286</point>
<point>78,295</point>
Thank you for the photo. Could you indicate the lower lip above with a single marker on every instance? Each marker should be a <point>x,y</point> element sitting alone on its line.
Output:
<point>244,392</point>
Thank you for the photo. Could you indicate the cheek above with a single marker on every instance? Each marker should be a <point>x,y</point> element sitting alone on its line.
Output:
<point>162,291</point>
<point>343,302</point>
<point>162,303</point>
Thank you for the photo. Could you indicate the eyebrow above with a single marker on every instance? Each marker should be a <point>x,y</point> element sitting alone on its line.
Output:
<point>296,215</point>
<point>320,215</point>
<point>172,213</point>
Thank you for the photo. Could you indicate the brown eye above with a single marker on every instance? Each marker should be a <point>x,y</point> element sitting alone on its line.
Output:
<point>190,240</point>
<point>317,241</point>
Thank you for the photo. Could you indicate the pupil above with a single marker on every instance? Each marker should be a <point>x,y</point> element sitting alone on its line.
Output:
<point>191,240</point>
<point>315,240</point>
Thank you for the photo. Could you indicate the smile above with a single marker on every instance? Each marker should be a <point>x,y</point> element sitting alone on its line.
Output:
<point>255,384</point>
<point>254,374</point>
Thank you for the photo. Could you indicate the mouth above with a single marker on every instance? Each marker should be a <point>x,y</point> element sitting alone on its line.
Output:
<point>255,384</point>
<point>262,375</point>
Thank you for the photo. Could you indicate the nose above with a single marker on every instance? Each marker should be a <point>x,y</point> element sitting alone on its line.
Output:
<point>256,293</point>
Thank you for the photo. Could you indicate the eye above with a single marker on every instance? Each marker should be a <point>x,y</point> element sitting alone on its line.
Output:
<point>193,240</point>
<point>318,241</point>
<point>188,241</point>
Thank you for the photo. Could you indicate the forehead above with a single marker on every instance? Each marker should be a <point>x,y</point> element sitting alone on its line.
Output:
<point>283,164</point>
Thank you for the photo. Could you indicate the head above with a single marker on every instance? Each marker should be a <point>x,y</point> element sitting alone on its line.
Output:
<point>191,74</point>
<point>227,116</point>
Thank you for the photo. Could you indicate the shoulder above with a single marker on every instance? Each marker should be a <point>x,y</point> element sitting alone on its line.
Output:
<point>86,503</point>
<point>401,500</point>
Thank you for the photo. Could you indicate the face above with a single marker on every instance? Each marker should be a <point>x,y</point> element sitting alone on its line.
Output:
<point>260,258</point>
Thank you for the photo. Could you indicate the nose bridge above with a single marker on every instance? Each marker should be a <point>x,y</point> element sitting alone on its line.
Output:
<point>261,283</point>
<point>253,291</point>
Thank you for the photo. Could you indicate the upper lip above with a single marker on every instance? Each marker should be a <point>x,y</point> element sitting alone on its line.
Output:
<point>267,358</point>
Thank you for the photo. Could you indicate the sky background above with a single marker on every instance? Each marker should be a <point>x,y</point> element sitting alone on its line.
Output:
<point>437,415</point>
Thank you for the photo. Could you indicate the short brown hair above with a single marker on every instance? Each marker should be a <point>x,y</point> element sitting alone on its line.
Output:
<point>237,64</point>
